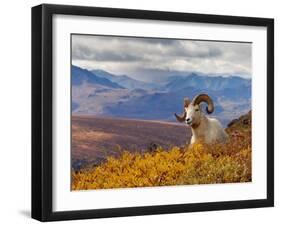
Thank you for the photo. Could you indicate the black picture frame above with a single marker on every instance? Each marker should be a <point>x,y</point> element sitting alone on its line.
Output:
<point>42,106</point>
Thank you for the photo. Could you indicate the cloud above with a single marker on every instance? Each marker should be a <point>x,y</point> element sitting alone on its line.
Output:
<point>136,56</point>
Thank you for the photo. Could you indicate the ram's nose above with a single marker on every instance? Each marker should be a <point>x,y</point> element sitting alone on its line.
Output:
<point>188,121</point>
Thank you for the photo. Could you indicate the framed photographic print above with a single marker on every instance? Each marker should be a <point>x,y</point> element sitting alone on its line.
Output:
<point>145,112</point>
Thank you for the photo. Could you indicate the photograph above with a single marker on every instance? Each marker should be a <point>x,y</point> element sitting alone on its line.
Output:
<point>140,112</point>
<point>152,111</point>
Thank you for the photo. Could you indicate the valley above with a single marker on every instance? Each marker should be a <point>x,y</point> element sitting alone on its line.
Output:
<point>96,138</point>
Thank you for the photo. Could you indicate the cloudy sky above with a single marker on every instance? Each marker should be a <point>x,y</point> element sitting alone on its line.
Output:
<point>138,57</point>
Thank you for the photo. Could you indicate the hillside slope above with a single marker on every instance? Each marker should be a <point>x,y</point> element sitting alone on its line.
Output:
<point>96,138</point>
<point>196,164</point>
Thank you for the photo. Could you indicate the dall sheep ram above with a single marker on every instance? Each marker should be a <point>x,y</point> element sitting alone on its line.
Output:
<point>204,129</point>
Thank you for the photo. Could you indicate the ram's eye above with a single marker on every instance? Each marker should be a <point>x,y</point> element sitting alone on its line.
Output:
<point>197,109</point>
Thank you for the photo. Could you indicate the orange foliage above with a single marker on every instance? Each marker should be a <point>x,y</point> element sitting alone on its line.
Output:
<point>196,164</point>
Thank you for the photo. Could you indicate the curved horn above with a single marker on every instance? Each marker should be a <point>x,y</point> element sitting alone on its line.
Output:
<point>186,102</point>
<point>204,98</point>
<point>181,118</point>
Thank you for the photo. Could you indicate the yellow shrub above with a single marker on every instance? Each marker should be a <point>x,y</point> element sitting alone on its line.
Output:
<point>196,164</point>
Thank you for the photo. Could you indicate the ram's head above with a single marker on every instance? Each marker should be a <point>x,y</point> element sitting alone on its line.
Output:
<point>192,113</point>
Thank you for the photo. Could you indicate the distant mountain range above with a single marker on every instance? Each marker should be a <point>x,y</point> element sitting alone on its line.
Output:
<point>124,80</point>
<point>80,75</point>
<point>206,82</point>
<point>98,92</point>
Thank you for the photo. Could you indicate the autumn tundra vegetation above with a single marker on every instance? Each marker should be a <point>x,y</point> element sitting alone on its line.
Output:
<point>198,163</point>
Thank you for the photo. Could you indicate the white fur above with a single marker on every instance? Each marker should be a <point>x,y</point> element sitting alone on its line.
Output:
<point>208,130</point>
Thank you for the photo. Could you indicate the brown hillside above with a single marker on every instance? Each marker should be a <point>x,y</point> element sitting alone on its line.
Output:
<point>242,124</point>
<point>229,162</point>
